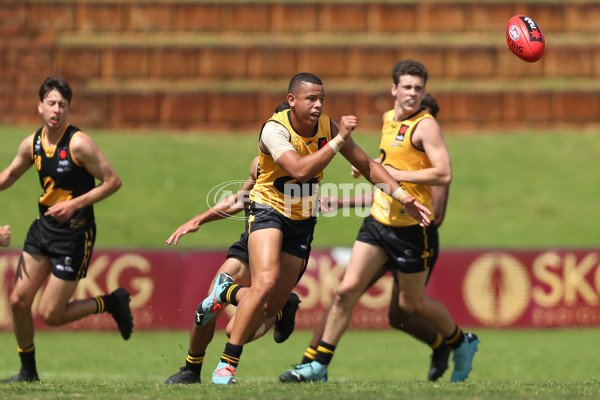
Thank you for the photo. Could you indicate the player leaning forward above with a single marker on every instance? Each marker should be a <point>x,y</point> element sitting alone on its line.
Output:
<point>414,152</point>
<point>294,147</point>
<point>59,243</point>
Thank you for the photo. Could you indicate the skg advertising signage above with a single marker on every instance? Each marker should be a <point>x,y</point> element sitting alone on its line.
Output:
<point>489,288</point>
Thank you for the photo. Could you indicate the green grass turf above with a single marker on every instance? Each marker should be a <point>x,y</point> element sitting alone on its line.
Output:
<point>509,190</point>
<point>510,364</point>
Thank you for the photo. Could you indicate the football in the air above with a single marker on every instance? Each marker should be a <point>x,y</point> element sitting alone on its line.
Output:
<point>525,38</point>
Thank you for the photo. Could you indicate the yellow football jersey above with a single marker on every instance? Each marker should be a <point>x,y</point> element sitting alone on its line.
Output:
<point>275,188</point>
<point>397,150</point>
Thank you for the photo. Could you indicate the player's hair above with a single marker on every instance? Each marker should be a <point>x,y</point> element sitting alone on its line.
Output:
<point>409,67</point>
<point>303,77</point>
<point>430,104</point>
<point>58,83</point>
<point>283,106</point>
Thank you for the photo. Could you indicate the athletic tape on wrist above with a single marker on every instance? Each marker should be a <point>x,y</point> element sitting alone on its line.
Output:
<point>336,143</point>
<point>399,194</point>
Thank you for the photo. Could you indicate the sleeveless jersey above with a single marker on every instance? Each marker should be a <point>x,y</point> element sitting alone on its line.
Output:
<point>62,178</point>
<point>275,188</point>
<point>397,150</point>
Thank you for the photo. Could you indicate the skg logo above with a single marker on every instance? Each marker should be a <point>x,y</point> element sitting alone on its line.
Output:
<point>497,289</point>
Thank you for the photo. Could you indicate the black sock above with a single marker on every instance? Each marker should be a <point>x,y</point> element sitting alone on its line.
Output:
<point>232,354</point>
<point>324,353</point>
<point>107,302</point>
<point>309,355</point>
<point>228,295</point>
<point>27,356</point>
<point>194,363</point>
<point>456,339</point>
<point>437,342</point>
<point>285,308</point>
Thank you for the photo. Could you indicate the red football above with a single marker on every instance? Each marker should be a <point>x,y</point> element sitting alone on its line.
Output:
<point>525,38</point>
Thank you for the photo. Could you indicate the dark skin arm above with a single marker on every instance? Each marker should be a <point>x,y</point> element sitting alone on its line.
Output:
<point>225,208</point>
<point>377,175</point>
<point>304,168</point>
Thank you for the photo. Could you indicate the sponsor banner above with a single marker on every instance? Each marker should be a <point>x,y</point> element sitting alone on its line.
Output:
<point>529,288</point>
<point>491,288</point>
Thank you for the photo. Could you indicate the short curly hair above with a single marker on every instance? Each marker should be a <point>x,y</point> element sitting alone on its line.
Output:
<point>409,67</point>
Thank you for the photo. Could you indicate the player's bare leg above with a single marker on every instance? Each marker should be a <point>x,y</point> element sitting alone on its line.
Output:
<point>356,279</point>
<point>274,275</point>
<point>412,299</point>
<point>421,331</point>
<point>201,336</point>
<point>32,272</point>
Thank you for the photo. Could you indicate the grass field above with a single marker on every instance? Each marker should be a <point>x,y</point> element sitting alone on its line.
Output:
<point>509,190</point>
<point>510,364</point>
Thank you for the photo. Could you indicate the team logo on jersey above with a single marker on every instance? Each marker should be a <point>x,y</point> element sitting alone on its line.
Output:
<point>37,146</point>
<point>63,160</point>
<point>402,132</point>
<point>322,141</point>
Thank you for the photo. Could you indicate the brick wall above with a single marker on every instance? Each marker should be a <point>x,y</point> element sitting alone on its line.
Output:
<point>186,65</point>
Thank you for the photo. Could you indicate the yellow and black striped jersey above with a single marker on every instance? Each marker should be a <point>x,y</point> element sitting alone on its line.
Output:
<point>62,178</point>
<point>275,188</point>
<point>397,150</point>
